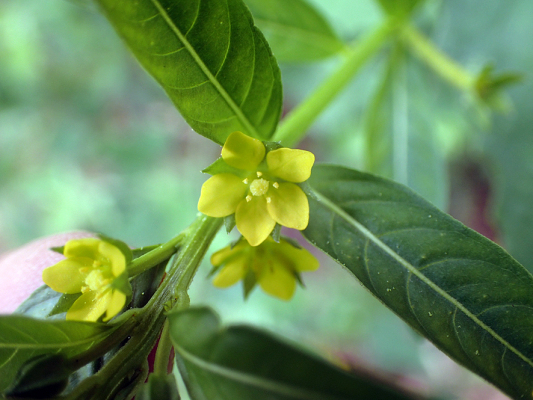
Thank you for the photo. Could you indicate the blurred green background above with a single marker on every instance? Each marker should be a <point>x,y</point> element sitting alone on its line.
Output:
<point>88,141</point>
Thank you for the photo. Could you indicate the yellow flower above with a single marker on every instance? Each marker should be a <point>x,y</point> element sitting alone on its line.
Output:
<point>275,266</point>
<point>262,190</point>
<point>95,268</point>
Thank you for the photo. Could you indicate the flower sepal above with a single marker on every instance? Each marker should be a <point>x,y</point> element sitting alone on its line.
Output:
<point>119,244</point>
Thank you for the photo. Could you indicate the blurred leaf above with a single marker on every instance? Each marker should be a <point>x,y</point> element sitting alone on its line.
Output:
<point>23,338</point>
<point>401,8</point>
<point>213,63</point>
<point>240,362</point>
<point>295,30</point>
<point>457,288</point>
<point>401,139</point>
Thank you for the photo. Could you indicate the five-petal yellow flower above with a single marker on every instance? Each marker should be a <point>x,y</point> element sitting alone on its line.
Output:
<point>263,192</point>
<point>275,266</point>
<point>95,268</point>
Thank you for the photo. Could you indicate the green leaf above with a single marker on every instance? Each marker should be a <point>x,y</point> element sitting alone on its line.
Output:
<point>23,338</point>
<point>41,377</point>
<point>241,362</point>
<point>295,30</point>
<point>214,64</point>
<point>40,303</point>
<point>64,303</point>
<point>452,285</point>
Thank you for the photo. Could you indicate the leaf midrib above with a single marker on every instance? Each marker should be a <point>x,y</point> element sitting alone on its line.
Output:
<point>199,62</point>
<point>370,236</point>
<point>251,380</point>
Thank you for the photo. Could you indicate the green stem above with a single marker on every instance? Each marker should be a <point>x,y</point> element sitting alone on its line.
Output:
<point>295,125</point>
<point>162,355</point>
<point>440,62</point>
<point>155,257</point>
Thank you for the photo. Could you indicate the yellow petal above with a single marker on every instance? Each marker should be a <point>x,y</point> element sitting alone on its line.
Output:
<point>65,276</point>
<point>290,165</point>
<point>87,248</point>
<point>231,273</point>
<point>221,194</point>
<point>277,281</point>
<point>89,306</point>
<point>221,256</point>
<point>116,304</point>
<point>116,259</point>
<point>253,220</point>
<point>289,206</point>
<point>242,151</point>
<point>297,259</point>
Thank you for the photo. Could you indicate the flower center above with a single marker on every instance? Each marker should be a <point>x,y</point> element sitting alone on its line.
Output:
<point>259,187</point>
<point>95,280</point>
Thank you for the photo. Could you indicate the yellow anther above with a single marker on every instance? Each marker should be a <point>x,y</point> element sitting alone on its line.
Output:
<point>259,174</point>
<point>249,197</point>
<point>84,270</point>
<point>276,185</point>
<point>269,199</point>
<point>259,187</point>
<point>245,181</point>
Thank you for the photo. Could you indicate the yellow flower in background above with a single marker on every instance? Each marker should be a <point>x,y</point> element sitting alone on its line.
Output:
<point>97,270</point>
<point>264,192</point>
<point>275,266</point>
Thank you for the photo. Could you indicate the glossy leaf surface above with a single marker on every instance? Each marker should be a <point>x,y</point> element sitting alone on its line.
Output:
<point>295,30</point>
<point>214,64</point>
<point>452,285</point>
<point>23,338</point>
<point>241,362</point>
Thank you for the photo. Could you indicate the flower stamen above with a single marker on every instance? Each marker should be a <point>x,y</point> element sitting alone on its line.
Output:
<point>276,185</point>
<point>249,198</point>
<point>259,174</point>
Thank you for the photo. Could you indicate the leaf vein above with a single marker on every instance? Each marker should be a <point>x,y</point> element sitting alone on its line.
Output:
<point>400,260</point>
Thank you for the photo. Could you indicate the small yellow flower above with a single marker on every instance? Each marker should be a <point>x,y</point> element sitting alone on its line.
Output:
<point>95,268</point>
<point>275,266</point>
<point>263,192</point>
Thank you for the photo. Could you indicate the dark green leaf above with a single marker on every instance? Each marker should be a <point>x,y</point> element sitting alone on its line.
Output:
<point>212,61</point>
<point>41,377</point>
<point>240,362</point>
<point>64,303</point>
<point>454,286</point>
<point>40,303</point>
<point>295,30</point>
<point>23,338</point>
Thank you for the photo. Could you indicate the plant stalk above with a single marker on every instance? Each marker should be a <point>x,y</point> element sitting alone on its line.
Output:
<point>296,123</point>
